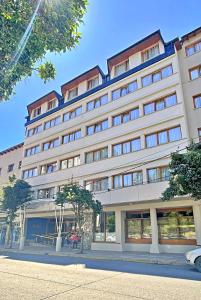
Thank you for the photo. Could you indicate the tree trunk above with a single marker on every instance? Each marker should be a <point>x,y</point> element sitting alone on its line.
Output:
<point>82,242</point>
<point>8,234</point>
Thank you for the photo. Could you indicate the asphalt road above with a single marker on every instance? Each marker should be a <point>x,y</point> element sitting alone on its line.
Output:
<point>24,276</point>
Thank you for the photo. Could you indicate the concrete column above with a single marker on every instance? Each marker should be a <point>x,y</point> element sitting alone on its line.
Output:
<point>141,109</point>
<point>109,150</point>
<point>197,220</point>
<point>110,184</point>
<point>120,228</point>
<point>154,228</point>
<point>109,121</point>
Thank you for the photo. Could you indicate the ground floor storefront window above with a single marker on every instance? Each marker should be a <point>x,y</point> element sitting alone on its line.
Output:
<point>176,226</point>
<point>105,227</point>
<point>138,227</point>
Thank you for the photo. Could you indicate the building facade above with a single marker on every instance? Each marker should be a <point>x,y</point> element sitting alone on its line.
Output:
<point>114,134</point>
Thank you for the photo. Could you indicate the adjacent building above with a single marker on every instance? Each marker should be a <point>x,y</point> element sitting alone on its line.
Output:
<point>114,133</point>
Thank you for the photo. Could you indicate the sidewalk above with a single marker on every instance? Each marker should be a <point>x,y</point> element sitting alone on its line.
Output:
<point>162,258</point>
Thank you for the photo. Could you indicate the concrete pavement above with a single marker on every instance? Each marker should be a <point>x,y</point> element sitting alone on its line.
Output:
<point>162,258</point>
<point>56,277</point>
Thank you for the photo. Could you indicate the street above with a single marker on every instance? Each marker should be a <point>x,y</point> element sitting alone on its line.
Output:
<point>24,276</point>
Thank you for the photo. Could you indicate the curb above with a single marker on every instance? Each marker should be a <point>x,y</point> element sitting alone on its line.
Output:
<point>109,258</point>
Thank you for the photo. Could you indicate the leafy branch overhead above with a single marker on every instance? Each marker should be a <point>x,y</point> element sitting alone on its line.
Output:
<point>55,29</point>
<point>185,174</point>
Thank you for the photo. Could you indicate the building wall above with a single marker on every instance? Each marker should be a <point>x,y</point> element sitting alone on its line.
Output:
<point>8,157</point>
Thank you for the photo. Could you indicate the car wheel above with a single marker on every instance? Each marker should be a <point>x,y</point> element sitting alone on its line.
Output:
<point>198,263</point>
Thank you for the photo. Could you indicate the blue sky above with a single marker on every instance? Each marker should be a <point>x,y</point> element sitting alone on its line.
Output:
<point>110,26</point>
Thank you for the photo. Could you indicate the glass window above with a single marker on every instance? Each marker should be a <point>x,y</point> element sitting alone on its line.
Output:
<point>126,147</point>
<point>197,101</point>
<point>156,76</point>
<point>194,74</point>
<point>137,177</point>
<point>165,173</point>
<point>117,181</point>
<point>121,68</point>
<point>98,127</point>
<point>175,134</point>
<point>89,157</point>
<point>66,117</point>
<point>135,144</point>
<point>152,175</point>
<point>147,80</point>
<point>90,105</point>
<point>90,130</point>
<point>167,71</point>
<point>176,225</point>
<point>72,93</point>
<point>132,86</point>
<point>151,140</point>
<point>170,100</point>
<point>104,99</point>
<point>160,105</point>
<point>97,155</point>
<point>76,161</point>
<point>127,179</point>
<point>149,108</point>
<point>134,114</point>
<point>117,120</point>
<point>65,139</point>
<point>105,227</point>
<point>104,124</point>
<point>150,53</point>
<point>64,164</point>
<point>104,153</point>
<point>77,134</point>
<point>97,103</point>
<point>70,162</point>
<point>93,83</point>
<point>126,118</point>
<point>138,226</point>
<point>116,94</point>
<point>78,110</point>
<point>162,137</point>
<point>117,150</point>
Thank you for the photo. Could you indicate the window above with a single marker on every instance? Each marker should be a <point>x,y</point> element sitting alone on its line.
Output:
<point>71,137</point>
<point>92,83</point>
<point>46,193</point>
<point>32,151</point>
<point>20,165</point>
<point>96,155</point>
<point>195,73</point>
<point>52,123</point>
<point>150,53</point>
<point>36,112</point>
<point>126,117</point>
<point>97,127</point>
<point>34,130</point>
<point>192,49</point>
<point>30,173</point>
<point>72,114</point>
<point>121,68</point>
<point>199,134</point>
<point>156,76</point>
<point>97,102</point>
<point>70,162</point>
<point>160,104</point>
<point>51,144</point>
<point>162,137</point>
<point>138,227</point>
<point>176,224</point>
<point>129,88</point>
<point>10,168</point>
<point>97,185</point>
<point>197,101</point>
<point>158,174</point>
<point>128,179</point>
<point>49,168</point>
<point>126,147</point>
<point>51,104</point>
<point>72,93</point>
<point>105,227</point>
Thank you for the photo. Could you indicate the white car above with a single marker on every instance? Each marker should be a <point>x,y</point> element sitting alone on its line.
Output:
<point>193,257</point>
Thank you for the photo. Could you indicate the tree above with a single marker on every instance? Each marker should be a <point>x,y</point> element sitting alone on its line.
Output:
<point>14,197</point>
<point>29,30</point>
<point>185,174</point>
<point>81,201</point>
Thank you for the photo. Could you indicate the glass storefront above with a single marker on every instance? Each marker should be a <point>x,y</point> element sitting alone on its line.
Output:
<point>105,227</point>
<point>176,226</point>
<point>138,227</point>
